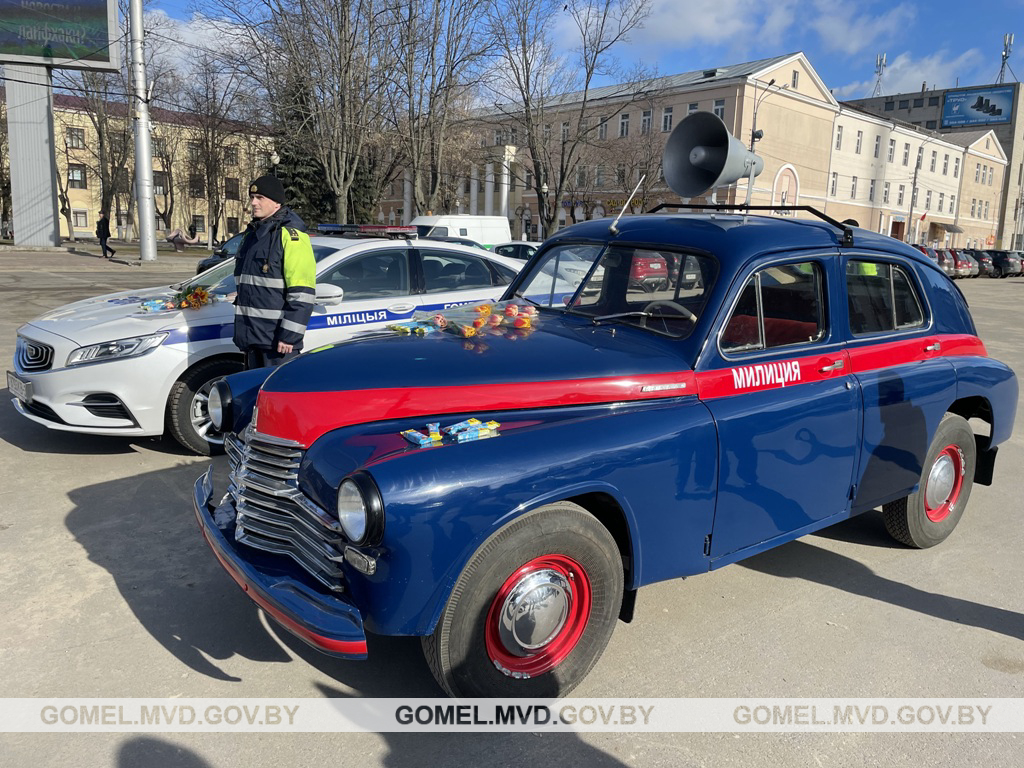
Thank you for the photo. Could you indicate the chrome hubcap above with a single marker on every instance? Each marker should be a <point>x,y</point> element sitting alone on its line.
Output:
<point>534,611</point>
<point>199,415</point>
<point>941,480</point>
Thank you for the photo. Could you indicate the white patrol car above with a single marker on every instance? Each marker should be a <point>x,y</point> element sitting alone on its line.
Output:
<point>78,368</point>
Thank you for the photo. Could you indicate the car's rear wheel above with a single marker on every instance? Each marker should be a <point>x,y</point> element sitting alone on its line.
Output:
<point>188,414</point>
<point>927,516</point>
<point>533,609</point>
<point>997,272</point>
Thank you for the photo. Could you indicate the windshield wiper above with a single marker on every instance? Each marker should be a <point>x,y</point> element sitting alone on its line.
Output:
<point>617,315</point>
<point>527,298</point>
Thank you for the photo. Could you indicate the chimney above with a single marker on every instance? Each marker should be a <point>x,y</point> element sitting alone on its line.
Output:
<point>924,86</point>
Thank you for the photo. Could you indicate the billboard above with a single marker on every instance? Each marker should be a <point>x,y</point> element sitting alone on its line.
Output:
<point>75,34</point>
<point>978,106</point>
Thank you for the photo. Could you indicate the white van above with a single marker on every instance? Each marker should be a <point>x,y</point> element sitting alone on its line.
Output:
<point>486,230</point>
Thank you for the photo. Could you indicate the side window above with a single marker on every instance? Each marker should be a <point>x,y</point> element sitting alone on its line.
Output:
<point>371,275</point>
<point>881,297</point>
<point>779,306</point>
<point>450,271</point>
<point>512,251</point>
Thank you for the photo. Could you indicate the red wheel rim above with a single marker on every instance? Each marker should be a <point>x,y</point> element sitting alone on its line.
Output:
<point>945,480</point>
<point>558,589</point>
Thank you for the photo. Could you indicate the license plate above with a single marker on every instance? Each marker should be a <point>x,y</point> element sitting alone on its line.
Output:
<point>655,265</point>
<point>691,277</point>
<point>19,388</point>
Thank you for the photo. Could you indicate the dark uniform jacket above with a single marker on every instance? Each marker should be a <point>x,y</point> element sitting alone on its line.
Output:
<point>275,275</point>
<point>103,228</point>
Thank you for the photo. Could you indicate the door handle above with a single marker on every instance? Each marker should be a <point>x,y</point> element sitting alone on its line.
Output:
<point>836,366</point>
<point>933,347</point>
<point>401,308</point>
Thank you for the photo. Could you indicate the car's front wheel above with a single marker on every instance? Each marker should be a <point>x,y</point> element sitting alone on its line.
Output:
<point>188,414</point>
<point>927,516</point>
<point>533,609</point>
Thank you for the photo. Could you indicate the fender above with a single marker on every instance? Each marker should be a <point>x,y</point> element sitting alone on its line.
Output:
<point>662,455</point>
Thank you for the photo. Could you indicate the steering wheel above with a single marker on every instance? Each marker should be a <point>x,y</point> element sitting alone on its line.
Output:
<point>674,305</point>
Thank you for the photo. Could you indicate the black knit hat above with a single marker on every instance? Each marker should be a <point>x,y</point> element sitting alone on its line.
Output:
<point>268,186</point>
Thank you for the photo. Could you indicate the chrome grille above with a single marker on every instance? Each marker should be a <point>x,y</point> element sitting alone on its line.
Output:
<point>33,355</point>
<point>273,514</point>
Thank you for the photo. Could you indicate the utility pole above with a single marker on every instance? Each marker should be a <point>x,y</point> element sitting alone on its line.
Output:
<point>1007,48</point>
<point>879,69</point>
<point>143,146</point>
<point>913,194</point>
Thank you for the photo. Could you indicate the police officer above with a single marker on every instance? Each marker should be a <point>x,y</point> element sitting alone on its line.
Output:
<point>275,275</point>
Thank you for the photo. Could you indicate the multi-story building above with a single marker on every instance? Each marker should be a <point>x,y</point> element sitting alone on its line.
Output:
<point>954,111</point>
<point>183,185</point>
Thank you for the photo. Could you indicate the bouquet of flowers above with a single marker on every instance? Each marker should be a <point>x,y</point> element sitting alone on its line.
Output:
<point>192,299</point>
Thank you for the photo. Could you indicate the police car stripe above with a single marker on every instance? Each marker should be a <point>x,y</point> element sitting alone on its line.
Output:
<point>305,416</point>
<point>263,282</point>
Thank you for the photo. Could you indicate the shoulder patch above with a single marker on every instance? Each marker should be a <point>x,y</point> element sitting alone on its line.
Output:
<point>294,234</point>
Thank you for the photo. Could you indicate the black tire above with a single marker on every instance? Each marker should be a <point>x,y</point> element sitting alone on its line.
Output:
<point>997,272</point>
<point>919,521</point>
<point>186,406</point>
<point>575,562</point>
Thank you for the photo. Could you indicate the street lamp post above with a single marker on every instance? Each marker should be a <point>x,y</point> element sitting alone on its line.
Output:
<point>755,134</point>
<point>275,160</point>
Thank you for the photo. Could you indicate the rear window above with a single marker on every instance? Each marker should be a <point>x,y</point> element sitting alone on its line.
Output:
<point>881,297</point>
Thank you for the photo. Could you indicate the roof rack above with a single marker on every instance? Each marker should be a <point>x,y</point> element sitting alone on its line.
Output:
<point>846,240</point>
<point>389,231</point>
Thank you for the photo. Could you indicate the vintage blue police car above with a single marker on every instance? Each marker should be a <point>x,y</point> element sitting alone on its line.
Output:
<point>501,481</point>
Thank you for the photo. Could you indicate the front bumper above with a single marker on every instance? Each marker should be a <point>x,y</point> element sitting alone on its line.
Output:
<point>329,623</point>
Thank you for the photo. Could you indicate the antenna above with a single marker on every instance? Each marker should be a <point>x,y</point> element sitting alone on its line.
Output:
<point>1007,48</point>
<point>614,229</point>
<point>879,69</point>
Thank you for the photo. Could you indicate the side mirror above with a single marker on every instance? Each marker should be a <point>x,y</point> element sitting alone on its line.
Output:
<point>328,294</point>
<point>220,253</point>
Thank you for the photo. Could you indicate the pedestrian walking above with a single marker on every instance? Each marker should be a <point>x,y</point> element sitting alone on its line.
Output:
<point>103,233</point>
<point>275,275</point>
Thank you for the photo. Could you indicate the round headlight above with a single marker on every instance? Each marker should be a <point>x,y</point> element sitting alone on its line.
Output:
<point>219,405</point>
<point>361,509</point>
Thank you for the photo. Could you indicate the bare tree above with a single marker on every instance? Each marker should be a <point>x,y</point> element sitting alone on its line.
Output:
<point>5,173</point>
<point>550,98</point>
<point>440,48</point>
<point>63,199</point>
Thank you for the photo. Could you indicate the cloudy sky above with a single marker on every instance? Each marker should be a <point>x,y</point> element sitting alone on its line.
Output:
<point>942,42</point>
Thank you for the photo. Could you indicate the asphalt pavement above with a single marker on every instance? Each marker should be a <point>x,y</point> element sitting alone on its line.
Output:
<point>110,591</point>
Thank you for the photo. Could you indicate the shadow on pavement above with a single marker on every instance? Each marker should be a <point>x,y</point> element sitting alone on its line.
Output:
<point>801,560</point>
<point>148,752</point>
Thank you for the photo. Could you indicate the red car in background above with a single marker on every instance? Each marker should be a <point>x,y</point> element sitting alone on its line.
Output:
<point>961,263</point>
<point>649,271</point>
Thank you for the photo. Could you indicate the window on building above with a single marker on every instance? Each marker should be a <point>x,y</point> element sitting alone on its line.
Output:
<point>974,205</point>
<point>881,298</point>
<point>231,155</point>
<point>692,107</point>
<point>945,164</point>
<point>986,209</point>
<point>75,138</point>
<point>990,171</point>
<point>889,106</point>
<point>719,108</point>
<point>942,200</point>
<point>839,137</point>
<point>913,198</point>
<point>581,176</point>
<point>878,145</point>
<point>547,132</point>
<point>159,183</point>
<point>956,167</point>
<point>977,172</point>
<point>919,102</point>
<point>933,101</point>
<point>199,222</point>
<point>885,192</point>
<point>620,175</point>
<point>159,147</point>
<point>80,219</point>
<point>599,177</point>
<point>195,151</point>
<point>930,125</point>
<point>928,200</point>
<point>231,189</point>
<point>900,190</point>
<point>906,154</point>
<point>645,122</point>
<point>666,119</point>
<point>853,188</point>
<point>77,178</point>
<point>232,222</point>
<point>513,133</point>
<point>935,158</point>
<point>860,140</point>
<point>904,103</point>
<point>920,155</point>
<point>499,137</point>
<point>835,183</point>
<point>871,190</point>
<point>794,81</point>
<point>565,130</point>
<point>602,128</point>
<point>624,125</point>
<point>892,150</point>
<point>952,203</point>
<point>196,185</point>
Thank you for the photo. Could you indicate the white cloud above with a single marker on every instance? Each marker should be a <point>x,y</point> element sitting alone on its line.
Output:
<point>177,42</point>
<point>845,30</point>
<point>905,73</point>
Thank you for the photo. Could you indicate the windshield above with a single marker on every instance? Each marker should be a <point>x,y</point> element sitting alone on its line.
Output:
<point>220,281</point>
<point>659,290</point>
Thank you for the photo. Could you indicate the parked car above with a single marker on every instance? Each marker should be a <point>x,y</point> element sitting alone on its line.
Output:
<point>517,249</point>
<point>458,241</point>
<point>226,251</point>
<point>975,267</point>
<point>78,368</point>
<point>618,437</point>
<point>984,260</point>
<point>1004,263</point>
<point>961,264</point>
<point>649,271</point>
<point>932,255</point>
<point>947,263</point>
